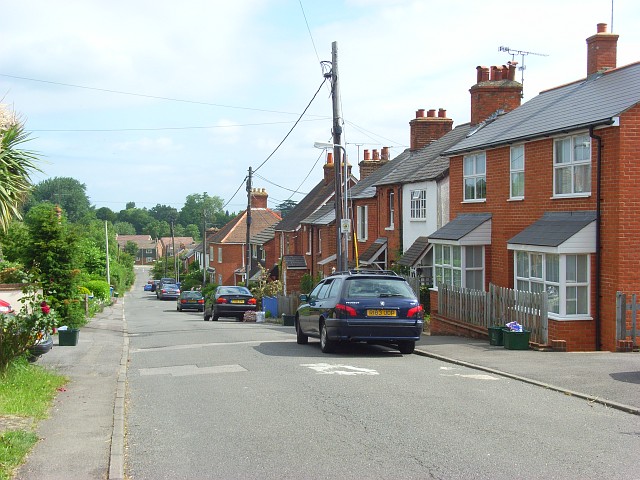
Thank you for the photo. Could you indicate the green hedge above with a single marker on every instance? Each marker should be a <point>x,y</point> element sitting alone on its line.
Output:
<point>100,289</point>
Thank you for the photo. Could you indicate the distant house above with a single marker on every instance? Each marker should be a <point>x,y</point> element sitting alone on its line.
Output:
<point>147,248</point>
<point>166,244</point>
<point>541,199</point>
<point>228,245</point>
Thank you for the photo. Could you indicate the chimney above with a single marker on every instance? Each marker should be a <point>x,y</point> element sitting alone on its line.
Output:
<point>496,90</point>
<point>329,175</point>
<point>368,165</point>
<point>424,130</point>
<point>601,50</point>
<point>259,198</point>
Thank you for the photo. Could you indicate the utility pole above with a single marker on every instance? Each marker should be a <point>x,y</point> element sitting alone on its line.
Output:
<point>173,248</point>
<point>106,239</point>
<point>247,267</point>
<point>337,152</point>
<point>205,264</point>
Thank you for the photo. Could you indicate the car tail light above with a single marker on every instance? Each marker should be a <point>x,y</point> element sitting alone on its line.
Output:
<point>201,300</point>
<point>221,300</point>
<point>346,310</point>
<point>183,301</point>
<point>416,312</point>
<point>251,301</point>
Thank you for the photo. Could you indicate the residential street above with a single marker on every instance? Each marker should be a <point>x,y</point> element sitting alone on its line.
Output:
<point>237,400</point>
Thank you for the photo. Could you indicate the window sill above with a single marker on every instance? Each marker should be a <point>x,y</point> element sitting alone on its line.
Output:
<point>576,195</point>
<point>307,253</point>
<point>362,240</point>
<point>481,200</point>
<point>418,220</point>
<point>574,318</point>
<point>389,228</point>
<point>515,199</point>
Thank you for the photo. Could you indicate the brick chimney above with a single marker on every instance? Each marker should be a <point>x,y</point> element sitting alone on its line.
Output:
<point>425,130</point>
<point>602,50</point>
<point>496,89</point>
<point>368,165</point>
<point>329,175</point>
<point>259,198</point>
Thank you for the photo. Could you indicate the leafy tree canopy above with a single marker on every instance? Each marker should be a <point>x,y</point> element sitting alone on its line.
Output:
<point>137,217</point>
<point>164,213</point>
<point>66,192</point>
<point>124,228</point>
<point>199,207</point>
<point>285,207</point>
<point>104,213</point>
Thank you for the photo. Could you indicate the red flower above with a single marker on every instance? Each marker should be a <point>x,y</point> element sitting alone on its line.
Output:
<point>45,308</point>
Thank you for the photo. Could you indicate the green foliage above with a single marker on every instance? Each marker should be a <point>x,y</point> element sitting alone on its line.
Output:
<point>163,213</point>
<point>124,228</point>
<point>137,217</point>
<point>15,242</point>
<point>104,213</point>
<point>14,446</point>
<point>66,192</point>
<point>285,207</point>
<point>264,287</point>
<point>12,272</point>
<point>131,248</point>
<point>100,289</point>
<point>425,298</point>
<point>307,282</point>
<point>193,278</point>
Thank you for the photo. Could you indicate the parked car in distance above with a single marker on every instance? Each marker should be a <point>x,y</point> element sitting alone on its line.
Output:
<point>372,306</point>
<point>148,286</point>
<point>164,281</point>
<point>229,301</point>
<point>190,300</point>
<point>168,290</point>
<point>154,285</point>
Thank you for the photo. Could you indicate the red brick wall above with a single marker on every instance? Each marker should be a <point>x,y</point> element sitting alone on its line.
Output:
<point>486,99</point>
<point>232,258</point>
<point>601,50</point>
<point>394,242</point>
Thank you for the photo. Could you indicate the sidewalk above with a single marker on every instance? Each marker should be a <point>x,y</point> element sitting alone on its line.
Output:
<point>84,438</point>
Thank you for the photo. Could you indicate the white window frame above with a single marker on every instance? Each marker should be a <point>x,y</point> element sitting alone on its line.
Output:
<point>418,204</point>
<point>362,231</point>
<point>578,148</point>
<point>254,251</point>
<point>319,240</point>
<point>450,264</point>
<point>212,253</point>
<point>474,169</point>
<point>309,240</point>
<point>392,210</point>
<point>219,254</point>
<point>263,254</point>
<point>516,152</point>
<point>557,283</point>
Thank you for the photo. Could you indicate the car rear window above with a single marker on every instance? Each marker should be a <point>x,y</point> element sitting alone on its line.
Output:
<point>191,294</point>
<point>235,291</point>
<point>378,287</point>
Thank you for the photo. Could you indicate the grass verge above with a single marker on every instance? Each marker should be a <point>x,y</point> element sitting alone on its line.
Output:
<point>26,390</point>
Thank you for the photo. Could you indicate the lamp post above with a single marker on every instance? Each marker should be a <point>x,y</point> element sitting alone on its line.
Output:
<point>342,217</point>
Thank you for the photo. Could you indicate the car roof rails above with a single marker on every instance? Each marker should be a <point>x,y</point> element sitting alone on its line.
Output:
<point>364,271</point>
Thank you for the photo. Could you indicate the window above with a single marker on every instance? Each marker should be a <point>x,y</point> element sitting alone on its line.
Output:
<point>254,251</point>
<point>309,240</point>
<point>517,171</point>
<point>475,177</point>
<point>263,254</point>
<point>565,278</point>
<point>459,266</point>
<point>219,254</point>
<point>418,204</point>
<point>363,223</point>
<point>572,165</point>
<point>391,208</point>
<point>319,241</point>
<point>212,253</point>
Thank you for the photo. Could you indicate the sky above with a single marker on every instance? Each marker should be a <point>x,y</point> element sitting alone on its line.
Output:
<point>149,101</point>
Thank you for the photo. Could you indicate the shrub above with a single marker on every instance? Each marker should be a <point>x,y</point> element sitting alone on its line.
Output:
<point>100,289</point>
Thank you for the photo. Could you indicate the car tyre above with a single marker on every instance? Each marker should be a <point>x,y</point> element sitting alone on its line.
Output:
<point>326,345</point>
<point>301,338</point>
<point>215,317</point>
<point>407,347</point>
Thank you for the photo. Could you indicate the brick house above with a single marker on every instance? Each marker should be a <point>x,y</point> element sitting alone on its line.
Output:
<point>165,245</point>
<point>540,199</point>
<point>228,245</point>
<point>305,240</point>
<point>147,248</point>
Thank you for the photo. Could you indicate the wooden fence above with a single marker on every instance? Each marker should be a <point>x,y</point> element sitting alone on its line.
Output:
<point>622,307</point>
<point>498,306</point>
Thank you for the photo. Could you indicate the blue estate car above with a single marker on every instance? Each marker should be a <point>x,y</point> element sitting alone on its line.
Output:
<point>370,306</point>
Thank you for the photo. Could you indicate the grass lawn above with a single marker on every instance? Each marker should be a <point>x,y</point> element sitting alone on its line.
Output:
<point>26,392</point>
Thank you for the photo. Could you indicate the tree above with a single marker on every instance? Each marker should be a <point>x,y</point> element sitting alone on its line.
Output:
<point>104,213</point>
<point>198,205</point>
<point>16,166</point>
<point>285,207</point>
<point>124,228</point>
<point>137,217</point>
<point>130,205</point>
<point>163,213</point>
<point>193,231</point>
<point>131,248</point>
<point>66,192</point>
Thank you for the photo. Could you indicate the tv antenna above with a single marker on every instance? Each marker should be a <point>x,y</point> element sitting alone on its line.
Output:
<point>513,52</point>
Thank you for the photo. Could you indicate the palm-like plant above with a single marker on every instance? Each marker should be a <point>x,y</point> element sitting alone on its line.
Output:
<point>16,166</point>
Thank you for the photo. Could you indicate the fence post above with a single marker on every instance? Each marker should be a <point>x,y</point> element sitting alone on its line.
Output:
<point>621,314</point>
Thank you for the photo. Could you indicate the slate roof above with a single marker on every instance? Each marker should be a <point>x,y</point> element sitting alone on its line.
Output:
<point>305,207</point>
<point>554,228</point>
<point>374,250</point>
<point>460,226</point>
<point>263,236</point>
<point>294,261</point>
<point>415,252</point>
<point>325,215</point>
<point>365,188</point>
<point>235,231</point>
<point>426,163</point>
<point>595,100</point>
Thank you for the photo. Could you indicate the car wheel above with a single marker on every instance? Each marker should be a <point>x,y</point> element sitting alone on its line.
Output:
<point>206,317</point>
<point>301,338</point>
<point>178,309</point>
<point>215,317</point>
<point>326,345</point>
<point>407,347</point>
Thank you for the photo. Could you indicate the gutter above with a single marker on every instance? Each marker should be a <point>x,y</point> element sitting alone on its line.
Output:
<point>598,228</point>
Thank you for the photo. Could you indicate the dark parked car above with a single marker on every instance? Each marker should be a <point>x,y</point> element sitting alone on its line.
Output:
<point>190,300</point>
<point>231,301</point>
<point>168,290</point>
<point>371,306</point>
<point>165,281</point>
<point>154,285</point>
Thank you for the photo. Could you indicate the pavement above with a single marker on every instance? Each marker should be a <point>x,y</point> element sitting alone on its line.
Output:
<point>84,436</point>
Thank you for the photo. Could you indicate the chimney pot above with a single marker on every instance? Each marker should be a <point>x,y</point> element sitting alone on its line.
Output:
<point>442,113</point>
<point>366,155</point>
<point>330,158</point>
<point>420,113</point>
<point>376,155</point>
<point>431,113</point>
<point>601,50</point>
<point>602,28</point>
<point>385,153</point>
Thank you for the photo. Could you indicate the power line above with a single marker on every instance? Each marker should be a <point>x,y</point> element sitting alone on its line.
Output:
<point>294,126</point>
<point>309,173</point>
<point>236,192</point>
<point>279,186</point>
<point>309,30</point>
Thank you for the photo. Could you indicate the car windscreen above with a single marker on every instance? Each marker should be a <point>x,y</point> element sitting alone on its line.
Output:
<point>234,291</point>
<point>378,287</point>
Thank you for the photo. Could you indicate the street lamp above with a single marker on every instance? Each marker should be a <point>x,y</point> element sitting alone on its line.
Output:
<point>342,220</point>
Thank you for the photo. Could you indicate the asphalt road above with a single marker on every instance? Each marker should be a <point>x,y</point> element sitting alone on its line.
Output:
<point>239,400</point>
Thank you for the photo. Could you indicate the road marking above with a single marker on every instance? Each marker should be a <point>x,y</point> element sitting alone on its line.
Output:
<point>201,345</point>
<point>328,369</point>
<point>476,376</point>
<point>188,370</point>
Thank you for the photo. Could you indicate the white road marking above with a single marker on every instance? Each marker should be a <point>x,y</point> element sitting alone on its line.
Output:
<point>476,376</point>
<point>201,345</point>
<point>188,370</point>
<point>328,369</point>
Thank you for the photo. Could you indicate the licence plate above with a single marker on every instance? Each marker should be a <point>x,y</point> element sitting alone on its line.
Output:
<point>237,301</point>
<point>381,313</point>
